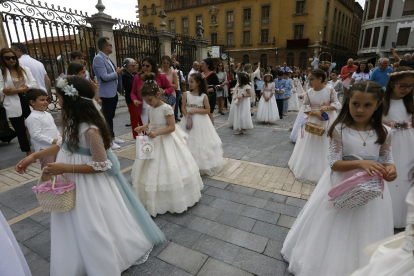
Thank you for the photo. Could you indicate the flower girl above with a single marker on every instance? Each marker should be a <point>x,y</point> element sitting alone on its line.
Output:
<point>329,241</point>
<point>294,99</point>
<point>313,149</point>
<point>108,230</point>
<point>267,112</point>
<point>203,141</point>
<point>240,117</point>
<point>170,182</point>
<point>399,115</point>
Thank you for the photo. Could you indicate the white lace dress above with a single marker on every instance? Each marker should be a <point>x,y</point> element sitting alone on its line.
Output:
<point>312,150</point>
<point>170,182</point>
<point>329,241</point>
<point>240,116</point>
<point>403,151</point>
<point>203,141</point>
<point>99,236</point>
<point>294,100</point>
<point>268,111</point>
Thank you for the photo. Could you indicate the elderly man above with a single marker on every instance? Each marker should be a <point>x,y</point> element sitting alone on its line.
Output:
<point>380,74</point>
<point>195,69</point>
<point>348,70</point>
<point>36,67</point>
<point>408,59</point>
<point>285,68</point>
<point>110,81</point>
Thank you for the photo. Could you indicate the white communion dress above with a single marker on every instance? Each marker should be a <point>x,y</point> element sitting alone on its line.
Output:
<point>329,241</point>
<point>203,141</point>
<point>294,100</point>
<point>268,111</point>
<point>99,236</point>
<point>403,151</point>
<point>309,158</point>
<point>170,182</point>
<point>240,116</point>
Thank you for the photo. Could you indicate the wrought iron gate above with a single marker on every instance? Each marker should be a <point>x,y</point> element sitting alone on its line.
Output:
<point>185,47</point>
<point>49,33</point>
<point>135,41</point>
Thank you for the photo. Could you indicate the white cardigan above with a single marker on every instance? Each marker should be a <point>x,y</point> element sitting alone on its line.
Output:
<point>12,103</point>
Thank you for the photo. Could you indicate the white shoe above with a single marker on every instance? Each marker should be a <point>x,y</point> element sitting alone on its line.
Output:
<point>118,141</point>
<point>115,146</point>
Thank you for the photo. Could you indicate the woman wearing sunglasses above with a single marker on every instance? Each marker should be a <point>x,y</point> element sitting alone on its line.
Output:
<point>15,80</point>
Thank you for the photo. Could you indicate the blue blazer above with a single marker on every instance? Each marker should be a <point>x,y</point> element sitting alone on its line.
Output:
<point>109,80</point>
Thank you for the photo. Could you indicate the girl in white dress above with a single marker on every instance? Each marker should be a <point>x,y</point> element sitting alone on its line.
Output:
<point>108,230</point>
<point>294,99</point>
<point>399,115</point>
<point>267,112</point>
<point>329,241</point>
<point>313,149</point>
<point>203,141</point>
<point>240,117</point>
<point>170,182</point>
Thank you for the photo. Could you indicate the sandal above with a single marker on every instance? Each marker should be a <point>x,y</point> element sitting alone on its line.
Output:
<point>128,125</point>
<point>239,132</point>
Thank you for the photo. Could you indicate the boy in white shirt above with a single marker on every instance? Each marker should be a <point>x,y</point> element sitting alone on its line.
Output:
<point>41,126</point>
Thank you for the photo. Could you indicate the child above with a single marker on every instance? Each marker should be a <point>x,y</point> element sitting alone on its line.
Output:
<point>79,57</point>
<point>313,149</point>
<point>108,230</point>
<point>399,115</point>
<point>288,92</point>
<point>280,84</point>
<point>203,141</point>
<point>240,117</point>
<point>337,85</point>
<point>170,182</point>
<point>293,102</point>
<point>329,241</point>
<point>267,111</point>
<point>41,126</point>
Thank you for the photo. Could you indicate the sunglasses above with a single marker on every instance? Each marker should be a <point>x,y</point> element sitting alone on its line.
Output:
<point>146,65</point>
<point>9,58</point>
<point>404,86</point>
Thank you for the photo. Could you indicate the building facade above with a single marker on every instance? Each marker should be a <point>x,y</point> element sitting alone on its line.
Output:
<point>266,31</point>
<point>386,22</point>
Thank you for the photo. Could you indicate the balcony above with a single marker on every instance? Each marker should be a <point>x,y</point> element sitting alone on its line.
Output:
<point>297,43</point>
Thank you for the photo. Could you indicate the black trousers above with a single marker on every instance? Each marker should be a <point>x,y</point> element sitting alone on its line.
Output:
<point>279,103</point>
<point>177,103</point>
<point>20,127</point>
<point>258,94</point>
<point>108,109</point>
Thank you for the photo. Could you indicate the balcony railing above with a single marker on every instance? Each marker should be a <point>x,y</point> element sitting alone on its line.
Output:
<point>297,43</point>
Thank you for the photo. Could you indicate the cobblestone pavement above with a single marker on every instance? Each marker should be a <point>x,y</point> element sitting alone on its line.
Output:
<point>237,228</point>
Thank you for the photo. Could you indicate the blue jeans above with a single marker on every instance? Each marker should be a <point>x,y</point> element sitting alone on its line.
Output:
<point>177,103</point>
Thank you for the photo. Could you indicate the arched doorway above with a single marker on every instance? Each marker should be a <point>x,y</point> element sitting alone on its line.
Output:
<point>290,57</point>
<point>263,61</point>
<point>246,58</point>
<point>303,60</point>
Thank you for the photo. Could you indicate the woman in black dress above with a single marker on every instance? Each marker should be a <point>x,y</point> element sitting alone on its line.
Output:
<point>213,84</point>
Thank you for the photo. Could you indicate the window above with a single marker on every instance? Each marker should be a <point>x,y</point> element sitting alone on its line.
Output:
<point>403,35</point>
<point>298,32</point>
<point>184,3</point>
<point>184,25</point>
<point>380,8</point>
<point>289,59</point>
<point>265,12</point>
<point>230,17</point>
<point>247,14</point>
<point>170,5</point>
<point>367,39</point>
<point>372,7</point>
<point>171,24</point>
<point>246,37</point>
<point>246,58</point>
<point>214,39</point>
<point>303,59</point>
<point>300,7</point>
<point>263,61</point>
<point>230,38</point>
<point>408,7</point>
<point>153,9</point>
<point>384,36</point>
<point>151,24</point>
<point>145,10</point>
<point>334,18</point>
<point>199,18</point>
<point>264,36</point>
<point>389,10</point>
<point>376,37</point>
<point>362,36</point>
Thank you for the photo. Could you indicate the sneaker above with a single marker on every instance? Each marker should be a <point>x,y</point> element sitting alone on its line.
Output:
<point>115,146</point>
<point>118,141</point>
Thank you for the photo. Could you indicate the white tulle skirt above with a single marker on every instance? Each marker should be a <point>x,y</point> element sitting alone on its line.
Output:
<point>268,111</point>
<point>294,103</point>
<point>329,241</point>
<point>170,182</point>
<point>204,143</point>
<point>296,129</point>
<point>240,116</point>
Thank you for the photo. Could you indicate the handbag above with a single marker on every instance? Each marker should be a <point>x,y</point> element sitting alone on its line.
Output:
<point>170,99</point>
<point>144,147</point>
<point>6,133</point>
<point>189,122</point>
<point>357,190</point>
<point>56,196</point>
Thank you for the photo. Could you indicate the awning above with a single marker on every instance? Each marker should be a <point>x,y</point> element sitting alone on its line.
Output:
<point>365,58</point>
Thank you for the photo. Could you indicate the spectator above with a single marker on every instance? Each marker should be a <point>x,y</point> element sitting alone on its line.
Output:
<point>370,67</point>
<point>127,80</point>
<point>347,71</point>
<point>269,70</point>
<point>36,68</point>
<point>222,92</point>
<point>172,77</point>
<point>78,56</point>
<point>380,74</point>
<point>15,81</point>
<point>361,74</point>
<point>195,69</point>
<point>232,69</point>
<point>230,77</point>
<point>336,84</point>
<point>213,84</point>
<point>110,82</point>
<point>285,68</point>
<point>408,59</point>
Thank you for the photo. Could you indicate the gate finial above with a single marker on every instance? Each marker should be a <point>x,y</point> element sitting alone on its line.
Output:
<point>162,15</point>
<point>100,7</point>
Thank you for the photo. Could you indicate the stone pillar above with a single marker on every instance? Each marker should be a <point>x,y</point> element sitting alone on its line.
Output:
<point>103,24</point>
<point>165,42</point>
<point>201,48</point>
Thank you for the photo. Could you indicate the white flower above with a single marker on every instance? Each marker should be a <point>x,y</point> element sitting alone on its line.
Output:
<point>70,91</point>
<point>61,82</point>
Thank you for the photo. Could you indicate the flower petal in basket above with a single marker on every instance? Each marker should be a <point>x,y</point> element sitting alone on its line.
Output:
<point>60,187</point>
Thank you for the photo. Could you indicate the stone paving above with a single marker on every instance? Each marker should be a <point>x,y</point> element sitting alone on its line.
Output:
<point>237,228</point>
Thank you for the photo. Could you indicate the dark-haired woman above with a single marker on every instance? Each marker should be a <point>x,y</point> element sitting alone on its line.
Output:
<point>148,65</point>
<point>222,93</point>
<point>213,84</point>
<point>128,76</point>
<point>361,74</point>
<point>15,80</point>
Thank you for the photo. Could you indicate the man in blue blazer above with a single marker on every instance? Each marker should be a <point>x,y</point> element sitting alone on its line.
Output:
<point>110,81</point>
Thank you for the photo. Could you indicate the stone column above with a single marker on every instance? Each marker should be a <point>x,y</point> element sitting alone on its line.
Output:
<point>164,36</point>
<point>201,48</point>
<point>103,23</point>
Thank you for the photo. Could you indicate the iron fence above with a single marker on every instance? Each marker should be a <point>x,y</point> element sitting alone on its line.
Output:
<point>185,47</point>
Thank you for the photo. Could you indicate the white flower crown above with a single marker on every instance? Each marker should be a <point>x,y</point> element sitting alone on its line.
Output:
<point>69,90</point>
<point>151,81</point>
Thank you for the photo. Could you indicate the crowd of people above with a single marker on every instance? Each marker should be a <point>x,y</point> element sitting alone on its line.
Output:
<point>353,125</point>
